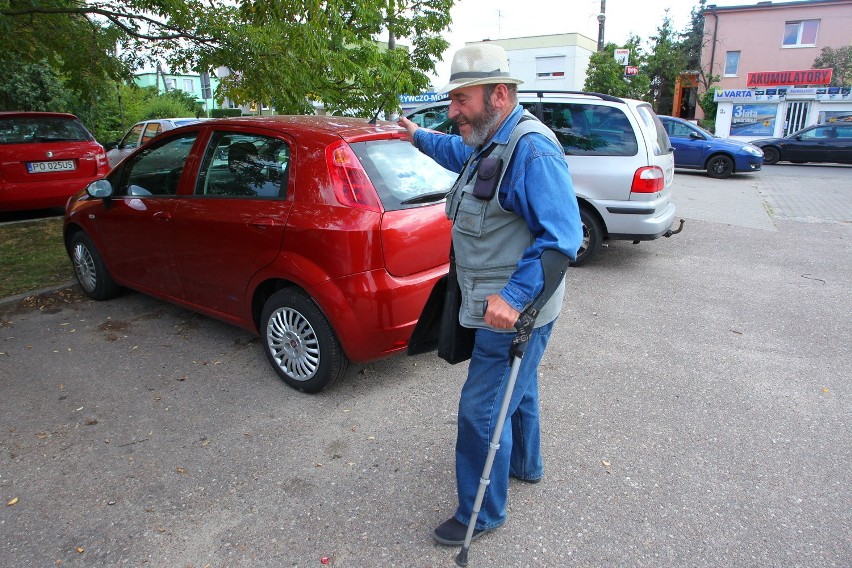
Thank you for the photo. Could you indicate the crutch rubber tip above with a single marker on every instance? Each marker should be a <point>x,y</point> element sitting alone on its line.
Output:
<point>461,558</point>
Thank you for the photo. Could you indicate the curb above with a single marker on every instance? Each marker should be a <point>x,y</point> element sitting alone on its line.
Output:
<point>39,292</point>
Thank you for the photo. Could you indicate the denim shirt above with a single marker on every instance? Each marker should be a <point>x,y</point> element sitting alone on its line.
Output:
<point>537,187</point>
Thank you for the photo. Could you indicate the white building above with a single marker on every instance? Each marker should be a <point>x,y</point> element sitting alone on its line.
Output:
<point>555,62</point>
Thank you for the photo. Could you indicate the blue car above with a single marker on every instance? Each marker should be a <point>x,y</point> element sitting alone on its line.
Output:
<point>697,149</point>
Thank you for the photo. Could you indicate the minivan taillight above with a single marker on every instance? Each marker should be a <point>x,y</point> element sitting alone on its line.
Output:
<point>351,184</point>
<point>649,179</point>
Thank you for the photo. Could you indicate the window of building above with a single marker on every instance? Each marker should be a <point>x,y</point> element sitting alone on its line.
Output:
<point>188,86</point>
<point>170,84</point>
<point>801,33</point>
<point>550,67</point>
<point>732,63</point>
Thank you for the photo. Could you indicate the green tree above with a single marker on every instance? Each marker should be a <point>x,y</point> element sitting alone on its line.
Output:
<point>292,52</point>
<point>33,86</point>
<point>605,75</point>
<point>840,60</point>
<point>48,33</point>
<point>692,39</point>
<point>286,52</point>
<point>663,65</point>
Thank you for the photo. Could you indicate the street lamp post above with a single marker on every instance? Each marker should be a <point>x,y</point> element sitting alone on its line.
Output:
<point>601,21</point>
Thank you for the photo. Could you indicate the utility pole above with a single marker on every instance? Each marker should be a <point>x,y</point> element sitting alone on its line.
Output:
<point>601,20</point>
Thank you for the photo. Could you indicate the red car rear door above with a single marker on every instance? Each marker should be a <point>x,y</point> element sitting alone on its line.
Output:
<point>232,224</point>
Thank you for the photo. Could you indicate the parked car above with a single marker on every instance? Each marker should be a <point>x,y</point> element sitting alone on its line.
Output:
<point>45,157</point>
<point>619,156</point>
<point>821,143</point>
<point>324,235</point>
<point>140,133</point>
<point>698,149</point>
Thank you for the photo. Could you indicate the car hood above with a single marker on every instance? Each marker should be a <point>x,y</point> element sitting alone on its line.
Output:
<point>729,144</point>
<point>765,141</point>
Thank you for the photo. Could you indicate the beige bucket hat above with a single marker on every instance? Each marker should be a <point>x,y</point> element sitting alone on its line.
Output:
<point>479,64</point>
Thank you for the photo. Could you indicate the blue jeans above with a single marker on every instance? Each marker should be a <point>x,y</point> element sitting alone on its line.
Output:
<point>520,442</point>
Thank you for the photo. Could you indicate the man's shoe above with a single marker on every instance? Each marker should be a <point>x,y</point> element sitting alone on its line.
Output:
<point>451,533</point>
<point>530,481</point>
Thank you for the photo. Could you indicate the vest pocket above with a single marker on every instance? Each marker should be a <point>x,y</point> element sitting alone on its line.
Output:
<point>470,215</point>
<point>480,287</point>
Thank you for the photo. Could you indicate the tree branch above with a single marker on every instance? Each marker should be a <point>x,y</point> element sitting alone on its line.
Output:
<point>116,18</point>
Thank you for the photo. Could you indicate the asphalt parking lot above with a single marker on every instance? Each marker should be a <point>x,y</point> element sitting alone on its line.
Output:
<point>696,401</point>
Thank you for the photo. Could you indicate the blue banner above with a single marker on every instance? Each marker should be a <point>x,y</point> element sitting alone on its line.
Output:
<point>753,120</point>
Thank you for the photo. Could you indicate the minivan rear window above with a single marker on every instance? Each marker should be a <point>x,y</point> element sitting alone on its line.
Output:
<point>403,176</point>
<point>590,130</point>
<point>662,145</point>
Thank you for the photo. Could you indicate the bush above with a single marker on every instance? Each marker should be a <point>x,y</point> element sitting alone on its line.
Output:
<point>225,112</point>
<point>165,107</point>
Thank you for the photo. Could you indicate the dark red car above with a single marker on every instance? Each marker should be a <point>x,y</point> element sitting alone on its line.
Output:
<point>45,157</point>
<point>324,235</point>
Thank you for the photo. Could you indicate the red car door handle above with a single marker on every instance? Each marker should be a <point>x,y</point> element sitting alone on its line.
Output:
<point>162,216</point>
<point>263,223</point>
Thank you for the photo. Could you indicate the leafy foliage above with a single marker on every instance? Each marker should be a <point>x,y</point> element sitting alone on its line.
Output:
<point>840,60</point>
<point>32,86</point>
<point>663,66</point>
<point>669,55</point>
<point>284,52</point>
<point>605,75</point>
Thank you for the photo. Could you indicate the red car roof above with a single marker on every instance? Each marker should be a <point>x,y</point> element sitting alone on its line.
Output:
<point>348,127</point>
<point>36,114</point>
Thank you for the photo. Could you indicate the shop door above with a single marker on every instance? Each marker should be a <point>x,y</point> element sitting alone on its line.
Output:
<point>797,114</point>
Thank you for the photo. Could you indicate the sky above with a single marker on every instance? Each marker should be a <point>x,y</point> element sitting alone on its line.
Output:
<point>476,20</point>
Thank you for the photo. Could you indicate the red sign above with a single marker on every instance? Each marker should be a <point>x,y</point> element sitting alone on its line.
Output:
<point>631,70</point>
<point>778,78</point>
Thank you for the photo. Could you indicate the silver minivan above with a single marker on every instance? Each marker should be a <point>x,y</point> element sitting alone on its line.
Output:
<point>140,133</point>
<point>619,156</point>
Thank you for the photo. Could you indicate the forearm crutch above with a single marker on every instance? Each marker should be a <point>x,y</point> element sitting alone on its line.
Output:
<point>554,264</point>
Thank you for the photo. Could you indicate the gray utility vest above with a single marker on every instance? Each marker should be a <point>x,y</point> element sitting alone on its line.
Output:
<point>490,241</point>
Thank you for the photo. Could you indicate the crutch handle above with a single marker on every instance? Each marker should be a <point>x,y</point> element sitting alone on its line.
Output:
<point>554,263</point>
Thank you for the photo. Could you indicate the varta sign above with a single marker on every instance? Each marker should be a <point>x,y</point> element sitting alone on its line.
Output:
<point>734,95</point>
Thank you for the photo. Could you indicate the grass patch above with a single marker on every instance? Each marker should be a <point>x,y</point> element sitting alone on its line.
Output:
<point>32,256</point>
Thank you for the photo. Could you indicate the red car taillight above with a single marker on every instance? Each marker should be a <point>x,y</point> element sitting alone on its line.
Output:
<point>101,158</point>
<point>649,179</point>
<point>351,184</point>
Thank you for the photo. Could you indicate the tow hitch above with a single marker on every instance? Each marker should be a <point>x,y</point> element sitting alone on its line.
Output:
<point>669,233</point>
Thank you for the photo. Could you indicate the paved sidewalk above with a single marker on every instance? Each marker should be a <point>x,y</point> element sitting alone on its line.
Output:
<point>696,400</point>
<point>800,193</point>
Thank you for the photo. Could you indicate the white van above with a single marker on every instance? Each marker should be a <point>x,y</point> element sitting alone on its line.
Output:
<point>619,156</point>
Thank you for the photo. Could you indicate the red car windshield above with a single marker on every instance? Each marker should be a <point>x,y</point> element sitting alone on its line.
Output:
<point>31,129</point>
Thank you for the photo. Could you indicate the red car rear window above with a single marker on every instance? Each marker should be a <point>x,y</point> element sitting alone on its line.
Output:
<point>34,130</point>
<point>402,175</point>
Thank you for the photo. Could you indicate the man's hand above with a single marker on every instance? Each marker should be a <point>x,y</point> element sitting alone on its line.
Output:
<point>499,314</point>
<point>409,126</point>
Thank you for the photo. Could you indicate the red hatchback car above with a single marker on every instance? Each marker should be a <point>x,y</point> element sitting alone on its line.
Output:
<point>324,235</point>
<point>45,157</point>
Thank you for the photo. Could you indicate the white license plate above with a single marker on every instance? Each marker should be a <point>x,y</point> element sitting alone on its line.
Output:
<point>54,166</point>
